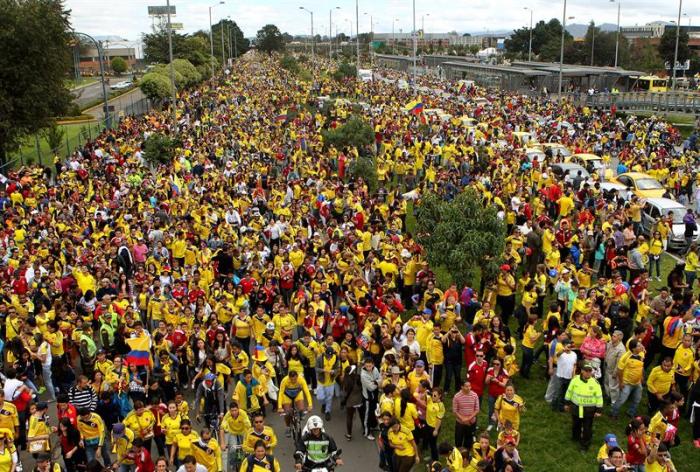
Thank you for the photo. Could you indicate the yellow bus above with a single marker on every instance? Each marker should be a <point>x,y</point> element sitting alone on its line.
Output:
<point>650,83</point>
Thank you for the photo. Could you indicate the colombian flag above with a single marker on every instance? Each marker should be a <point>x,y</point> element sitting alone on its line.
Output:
<point>414,107</point>
<point>140,353</point>
<point>282,116</point>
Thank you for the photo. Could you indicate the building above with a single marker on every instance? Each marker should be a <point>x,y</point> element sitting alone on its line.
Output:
<point>439,40</point>
<point>89,58</point>
<point>654,29</point>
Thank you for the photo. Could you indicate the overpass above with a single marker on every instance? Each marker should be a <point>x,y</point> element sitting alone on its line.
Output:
<point>673,102</point>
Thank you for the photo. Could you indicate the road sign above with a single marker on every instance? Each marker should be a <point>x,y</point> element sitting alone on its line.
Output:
<point>176,26</point>
<point>679,66</point>
<point>161,10</point>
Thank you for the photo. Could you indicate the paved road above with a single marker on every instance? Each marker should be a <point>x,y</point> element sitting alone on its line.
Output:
<point>89,94</point>
<point>359,454</point>
<point>120,103</point>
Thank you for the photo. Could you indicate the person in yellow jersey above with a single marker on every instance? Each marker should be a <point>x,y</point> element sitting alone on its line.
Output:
<point>92,432</point>
<point>142,422</point>
<point>170,424</point>
<point>260,460</point>
<point>327,370</point>
<point>259,431</point>
<point>508,407</point>
<point>182,444</point>
<point>683,362</point>
<point>659,384</point>
<point>630,370</point>
<point>505,292</point>
<point>9,418</point>
<point>122,440</point>
<point>208,452</point>
<point>415,377</point>
<point>9,458</point>
<point>39,432</point>
<point>293,390</point>
<point>434,415</point>
<point>435,354</point>
<point>401,440</point>
<point>234,426</point>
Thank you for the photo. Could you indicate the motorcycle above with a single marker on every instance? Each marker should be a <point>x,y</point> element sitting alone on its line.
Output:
<point>329,466</point>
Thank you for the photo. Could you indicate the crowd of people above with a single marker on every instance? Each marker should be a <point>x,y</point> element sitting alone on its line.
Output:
<point>155,314</point>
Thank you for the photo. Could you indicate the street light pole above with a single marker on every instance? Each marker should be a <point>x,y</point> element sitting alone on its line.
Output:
<point>561,52</point>
<point>393,38</point>
<point>357,35</point>
<point>330,32</point>
<point>223,58</point>
<point>529,48</point>
<point>173,96</point>
<point>617,36</point>
<point>675,52</point>
<point>100,53</point>
<point>211,36</point>
<point>592,42</point>
<point>313,55</point>
<point>415,49</point>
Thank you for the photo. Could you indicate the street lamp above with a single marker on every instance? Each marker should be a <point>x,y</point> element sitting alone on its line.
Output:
<point>561,52</point>
<point>617,36</point>
<point>529,48</point>
<point>371,34</point>
<point>173,99</point>
<point>393,36</point>
<point>592,42</point>
<point>330,32</point>
<point>100,54</point>
<point>357,36</point>
<point>211,37</point>
<point>313,56</point>
<point>415,45</point>
<point>675,52</point>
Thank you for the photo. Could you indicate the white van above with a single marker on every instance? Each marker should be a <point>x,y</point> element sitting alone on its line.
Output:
<point>365,75</point>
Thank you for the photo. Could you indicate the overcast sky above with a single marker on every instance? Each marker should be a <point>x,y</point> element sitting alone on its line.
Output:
<point>129,18</point>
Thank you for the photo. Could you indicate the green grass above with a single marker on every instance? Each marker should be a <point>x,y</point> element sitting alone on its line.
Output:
<point>75,136</point>
<point>545,435</point>
<point>72,83</point>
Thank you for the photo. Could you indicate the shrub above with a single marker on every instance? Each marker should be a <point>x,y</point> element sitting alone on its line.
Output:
<point>344,71</point>
<point>119,65</point>
<point>155,86</point>
<point>355,132</point>
<point>158,149</point>
<point>190,74</point>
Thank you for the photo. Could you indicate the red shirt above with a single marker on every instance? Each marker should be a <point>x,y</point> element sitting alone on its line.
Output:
<point>634,447</point>
<point>71,413</point>
<point>494,388</point>
<point>476,373</point>
<point>143,461</point>
<point>177,337</point>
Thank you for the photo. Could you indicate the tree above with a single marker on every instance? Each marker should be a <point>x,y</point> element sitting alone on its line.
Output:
<point>667,46</point>
<point>645,56</point>
<point>289,63</point>
<point>235,43</point>
<point>194,48</point>
<point>463,236</point>
<point>366,168</point>
<point>158,149</point>
<point>54,136</point>
<point>190,74</point>
<point>344,71</point>
<point>356,132</point>
<point>269,39</point>
<point>542,34</point>
<point>119,65</point>
<point>155,86</point>
<point>35,57</point>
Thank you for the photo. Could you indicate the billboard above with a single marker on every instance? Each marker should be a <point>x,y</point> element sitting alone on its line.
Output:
<point>161,10</point>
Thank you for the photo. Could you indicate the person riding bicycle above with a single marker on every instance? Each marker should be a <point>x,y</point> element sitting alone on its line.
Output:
<point>212,393</point>
<point>293,389</point>
<point>316,448</point>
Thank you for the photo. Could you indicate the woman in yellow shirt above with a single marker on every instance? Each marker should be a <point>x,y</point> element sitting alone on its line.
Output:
<point>508,407</point>
<point>405,411</point>
<point>434,414</point>
<point>656,247</point>
<point>39,431</point>
<point>261,460</point>
<point>182,443</point>
<point>170,424</point>
<point>404,445</point>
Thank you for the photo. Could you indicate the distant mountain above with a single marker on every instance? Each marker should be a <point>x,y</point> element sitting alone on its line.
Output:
<point>579,31</point>
<point>576,30</point>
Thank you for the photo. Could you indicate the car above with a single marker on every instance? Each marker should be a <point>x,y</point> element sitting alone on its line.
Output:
<point>655,208</point>
<point>524,137</point>
<point>365,75</point>
<point>123,85</point>
<point>641,184</point>
<point>532,153</point>
<point>566,171</point>
<point>591,162</point>
<point>610,187</point>
<point>558,150</point>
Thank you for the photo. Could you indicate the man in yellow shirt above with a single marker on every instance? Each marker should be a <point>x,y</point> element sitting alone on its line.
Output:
<point>234,426</point>
<point>258,432</point>
<point>9,419</point>
<point>659,384</point>
<point>92,432</point>
<point>505,295</point>
<point>630,370</point>
<point>208,452</point>
<point>683,361</point>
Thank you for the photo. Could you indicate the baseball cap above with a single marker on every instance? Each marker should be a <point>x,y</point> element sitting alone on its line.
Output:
<point>420,364</point>
<point>427,311</point>
<point>587,366</point>
<point>118,430</point>
<point>611,440</point>
<point>210,377</point>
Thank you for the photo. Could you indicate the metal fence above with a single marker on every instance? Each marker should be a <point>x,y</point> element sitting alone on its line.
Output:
<point>36,150</point>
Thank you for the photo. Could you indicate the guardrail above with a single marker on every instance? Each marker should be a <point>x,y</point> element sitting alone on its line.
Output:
<point>679,102</point>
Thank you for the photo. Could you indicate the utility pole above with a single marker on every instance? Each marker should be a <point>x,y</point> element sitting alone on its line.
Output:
<point>223,57</point>
<point>592,42</point>
<point>357,36</point>
<point>173,96</point>
<point>675,52</point>
<point>415,46</point>
<point>561,52</point>
<point>617,35</point>
<point>529,48</point>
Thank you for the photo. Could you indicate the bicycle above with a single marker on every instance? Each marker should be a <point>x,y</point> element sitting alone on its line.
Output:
<point>211,421</point>
<point>295,426</point>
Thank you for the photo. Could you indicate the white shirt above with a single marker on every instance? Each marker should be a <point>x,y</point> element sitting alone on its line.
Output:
<point>45,348</point>
<point>566,364</point>
<point>11,386</point>
<point>198,468</point>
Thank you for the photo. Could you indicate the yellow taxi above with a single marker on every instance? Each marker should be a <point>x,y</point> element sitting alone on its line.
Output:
<point>558,149</point>
<point>590,162</point>
<point>641,184</point>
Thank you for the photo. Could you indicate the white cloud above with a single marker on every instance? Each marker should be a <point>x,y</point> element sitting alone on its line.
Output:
<point>129,18</point>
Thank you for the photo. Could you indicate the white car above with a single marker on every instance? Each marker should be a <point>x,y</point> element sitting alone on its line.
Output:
<point>123,85</point>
